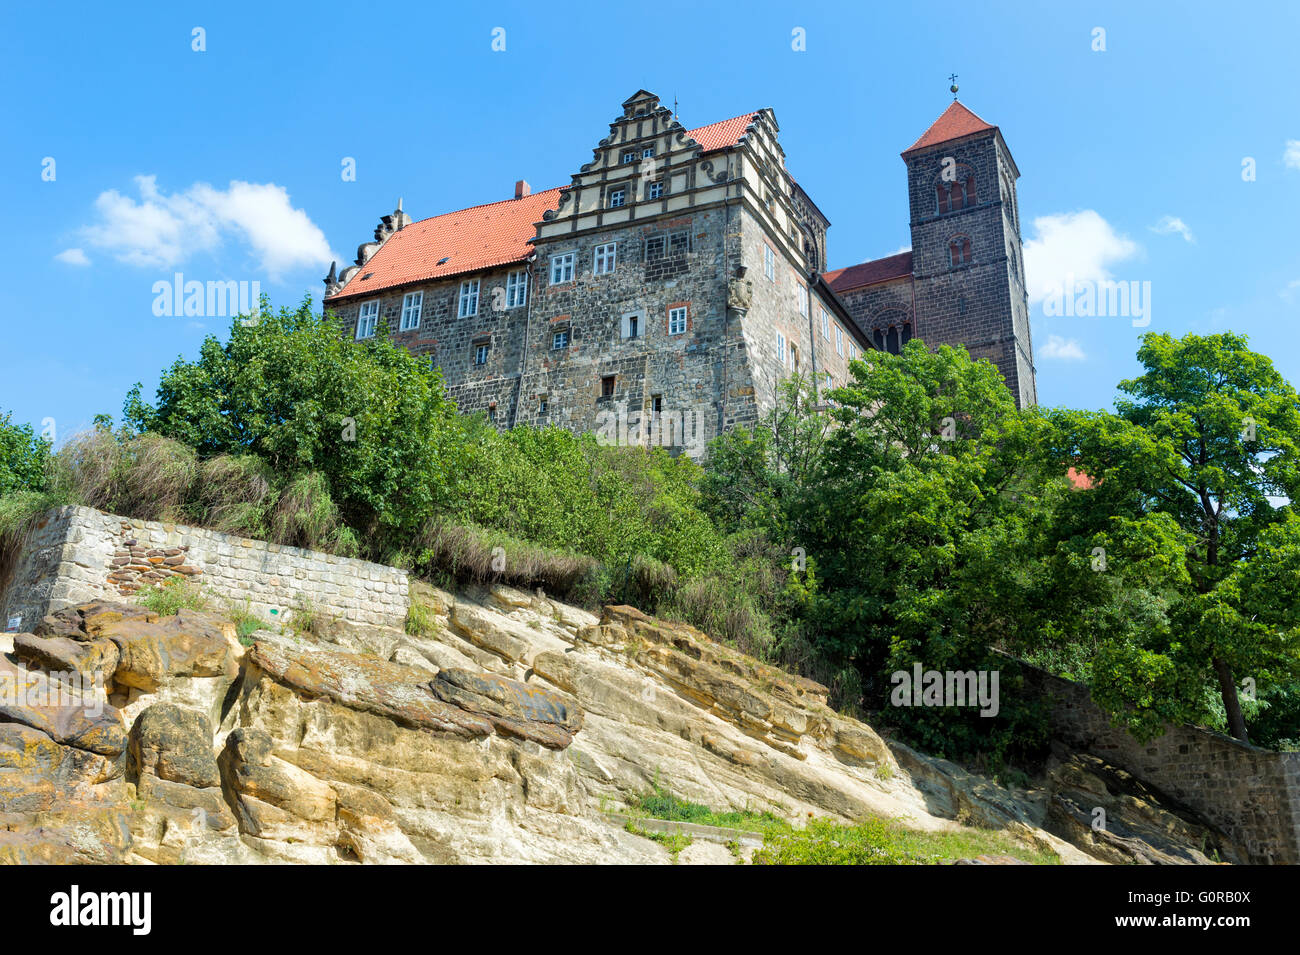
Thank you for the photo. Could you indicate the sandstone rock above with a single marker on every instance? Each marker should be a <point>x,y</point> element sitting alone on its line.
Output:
<point>66,655</point>
<point>189,644</point>
<point>359,638</point>
<point>174,744</point>
<point>388,689</point>
<point>72,715</point>
<point>513,707</point>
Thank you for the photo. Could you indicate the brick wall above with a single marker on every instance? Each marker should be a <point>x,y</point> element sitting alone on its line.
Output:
<point>1250,793</point>
<point>76,554</point>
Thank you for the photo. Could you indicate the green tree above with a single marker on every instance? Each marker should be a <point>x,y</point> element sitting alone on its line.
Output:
<point>292,389</point>
<point>1198,467</point>
<point>23,457</point>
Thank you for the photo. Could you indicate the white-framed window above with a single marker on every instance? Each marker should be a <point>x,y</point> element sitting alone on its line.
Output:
<point>853,352</point>
<point>826,323</point>
<point>367,319</point>
<point>780,348</point>
<point>677,320</point>
<point>827,380</point>
<point>655,190</point>
<point>633,324</point>
<point>603,257</point>
<point>839,341</point>
<point>802,293</point>
<point>412,303</point>
<point>629,155</point>
<point>562,268</point>
<point>468,299</point>
<point>648,152</point>
<point>481,353</point>
<point>560,340</point>
<point>769,263</point>
<point>517,288</point>
<point>618,197</point>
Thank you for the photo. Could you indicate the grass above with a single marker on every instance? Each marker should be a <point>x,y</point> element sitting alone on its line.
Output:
<point>674,842</point>
<point>246,621</point>
<point>824,842</point>
<point>469,554</point>
<point>419,617</point>
<point>662,804</point>
<point>174,594</point>
<point>888,842</point>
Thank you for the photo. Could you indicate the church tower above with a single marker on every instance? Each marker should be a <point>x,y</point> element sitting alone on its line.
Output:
<point>967,265</point>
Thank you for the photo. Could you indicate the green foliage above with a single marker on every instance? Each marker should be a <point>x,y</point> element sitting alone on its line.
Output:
<point>173,594</point>
<point>1194,476</point>
<point>23,457</point>
<point>659,803</point>
<point>884,842</point>
<point>674,842</point>
<point>370,419</point>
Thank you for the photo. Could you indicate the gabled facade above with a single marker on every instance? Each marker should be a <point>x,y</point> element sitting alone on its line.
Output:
<point>677,278</point>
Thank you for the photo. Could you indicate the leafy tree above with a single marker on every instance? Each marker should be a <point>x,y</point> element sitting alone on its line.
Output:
<point>1193,478</point>
<point>292,389</point>
<point>23,457</point>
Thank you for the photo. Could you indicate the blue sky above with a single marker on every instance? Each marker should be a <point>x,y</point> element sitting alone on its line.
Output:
<point>225,164</point>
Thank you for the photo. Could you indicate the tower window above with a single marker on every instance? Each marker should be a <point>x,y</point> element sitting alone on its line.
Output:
<point>891,340</point>
<point>480,354</point>
<point>955,196</point>
<point>607,386</point>
<point>959,251</point>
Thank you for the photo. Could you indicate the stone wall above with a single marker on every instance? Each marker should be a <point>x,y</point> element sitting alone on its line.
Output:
<point>76,554</point>
<point>1252,794</point>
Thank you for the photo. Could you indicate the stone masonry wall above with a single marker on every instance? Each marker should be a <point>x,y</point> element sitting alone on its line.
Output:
<point>76,554</point>
<point>1252,794</point>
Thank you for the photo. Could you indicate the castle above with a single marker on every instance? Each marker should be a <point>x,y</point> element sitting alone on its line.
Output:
<point>683,274</point>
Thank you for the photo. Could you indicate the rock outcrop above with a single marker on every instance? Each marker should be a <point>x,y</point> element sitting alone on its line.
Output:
<point>508,731</point>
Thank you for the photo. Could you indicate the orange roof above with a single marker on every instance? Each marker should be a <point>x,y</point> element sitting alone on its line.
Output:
<point>487,236</point>
<point>957,121</point>
<point>869,273</point>
<point>1078,479</point>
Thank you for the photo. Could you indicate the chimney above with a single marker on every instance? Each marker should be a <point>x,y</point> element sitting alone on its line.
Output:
<point>521,189</point>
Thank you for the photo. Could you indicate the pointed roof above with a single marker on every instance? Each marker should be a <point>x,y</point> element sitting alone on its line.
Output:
<point>957,121</point>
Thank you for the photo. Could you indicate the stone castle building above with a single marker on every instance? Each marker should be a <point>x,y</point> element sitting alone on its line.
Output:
<point>683,273</point>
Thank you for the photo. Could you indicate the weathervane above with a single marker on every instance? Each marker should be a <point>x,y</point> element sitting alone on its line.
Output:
<point>953,89</point>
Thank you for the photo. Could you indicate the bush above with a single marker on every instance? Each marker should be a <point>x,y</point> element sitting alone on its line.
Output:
<point>22,457</point>
<point>173,594</point>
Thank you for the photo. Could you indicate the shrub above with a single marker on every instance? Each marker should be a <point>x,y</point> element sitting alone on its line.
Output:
<point>173,594</point>
<point>22,457</point>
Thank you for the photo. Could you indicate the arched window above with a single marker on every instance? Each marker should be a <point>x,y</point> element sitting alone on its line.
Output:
<point>959,251</point>
<point>891,340</point>
<point>878,337</point>
<point>956,194</point>
<point>907,332</point>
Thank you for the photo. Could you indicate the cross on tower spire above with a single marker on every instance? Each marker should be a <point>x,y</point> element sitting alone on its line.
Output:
<point>953,89</point>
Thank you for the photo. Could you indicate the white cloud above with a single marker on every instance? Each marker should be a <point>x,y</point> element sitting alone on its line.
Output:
<point>1168,225</point>
<point>166,230</point>
<point>1291,156</point>
<point>1291,291</point>
<point>72,257</point>
<point>1079,244</point>
<point>1064,349</point>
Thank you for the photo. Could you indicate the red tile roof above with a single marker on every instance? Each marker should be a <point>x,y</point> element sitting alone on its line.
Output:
<point>869,273</point>
<point>1080,481</point>
<point>487,236</point>
<point>957,121</point>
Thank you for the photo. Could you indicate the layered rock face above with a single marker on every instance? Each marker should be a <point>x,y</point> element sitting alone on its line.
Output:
<point>506,731</point>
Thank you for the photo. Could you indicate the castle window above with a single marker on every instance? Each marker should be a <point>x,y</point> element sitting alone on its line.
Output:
<point>942,192</point>
<point>907,332</point>
<point>468,298</point>
<point>958,195</point>
<point>543,404</point>
<point>648,152</point>
<point>839,341</point>
<point>632,324</point>
<point>656,404</point>
<point>629,155</point>
<point>480,354</point>
<point>803,299</point>
<point>878,337</point>
<point>959,251</point>
<point>367,319</point>
<point>516,289</point>
<point>769,263</point>
<point>607,386</point>
<point>780,348</point>
<point>560,340</point>
<point>794,357</point>
<point>677,320</point>
<point>891,340</point>
<point>412,302</point>
<point>602,259</point>
<point>826,323</point>
<point>562,268</point>
<point>853,352</point>
<point>617,198</point>
<point>655,190</point>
